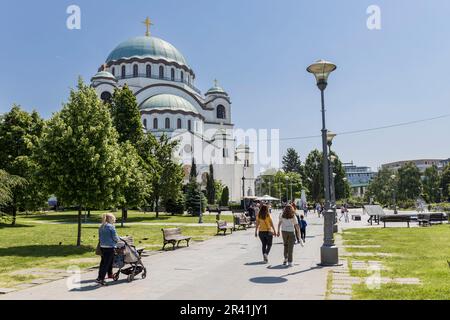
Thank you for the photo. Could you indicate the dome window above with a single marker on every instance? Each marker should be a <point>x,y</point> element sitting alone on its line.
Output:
<point>145,124</point>
<point>161,72</point>
<point>113,71</point>
<point>149,71</point>
<point>189,125</point>
<point>123,72</point>
<point>221,113</point>
<point>135,71</point>
<point>155,123</point>
<point>182,76</point>
<point>179,124</point>
<point>106,96</point>
<point>167,123</point>
<point>172,74</point>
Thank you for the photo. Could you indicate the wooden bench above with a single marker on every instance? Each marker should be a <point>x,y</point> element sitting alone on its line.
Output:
<point>174,236</point>
<point>427,219</point>
<point>396,218</point>
<point>241,221</point>
<point>222,226</point>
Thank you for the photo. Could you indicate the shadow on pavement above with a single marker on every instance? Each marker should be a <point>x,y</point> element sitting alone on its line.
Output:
<point>268,280</point>
<point>301,271</point>
<point>255,263</point>
<point>95,286</point>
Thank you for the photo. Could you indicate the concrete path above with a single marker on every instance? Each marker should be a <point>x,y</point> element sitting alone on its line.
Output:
<point>218,269</point>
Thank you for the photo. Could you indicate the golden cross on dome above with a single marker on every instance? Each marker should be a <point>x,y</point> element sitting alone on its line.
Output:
<point>216,82</point>
<point>148,23</point>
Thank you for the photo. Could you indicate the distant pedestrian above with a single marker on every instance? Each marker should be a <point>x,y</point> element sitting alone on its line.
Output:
<point>305,209</point>
<point>108,239</point>
<point>303,226</point>
<point>318,209</point>
<point>264,225</point>
<point>288,225</point>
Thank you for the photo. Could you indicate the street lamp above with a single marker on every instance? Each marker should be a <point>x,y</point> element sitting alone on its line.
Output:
<point>287,189</point>
<point>330,137</point>
<point>394,193</point>
<point>328,252</point>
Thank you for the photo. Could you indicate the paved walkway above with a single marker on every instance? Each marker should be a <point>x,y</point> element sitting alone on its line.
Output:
<point>218,269</point>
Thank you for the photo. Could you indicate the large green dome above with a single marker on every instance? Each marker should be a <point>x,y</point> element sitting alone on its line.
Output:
<point>147,47</point>
<point>168,102</point>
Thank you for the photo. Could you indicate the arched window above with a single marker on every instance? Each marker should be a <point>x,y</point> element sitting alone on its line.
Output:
<point>123,72</point>
<point>161,72</point>
<point>221,113</point>
<point>145,123</point>
<point>106,96</point>
<point>149,71</point>
<point>135,71</point>
<point>179,124</point>
<point>189,125</point>
<point>167,123</point>
<point>172,74</point>
<point>155,123</point>
<point>113,71</point>
<point>182,76</point>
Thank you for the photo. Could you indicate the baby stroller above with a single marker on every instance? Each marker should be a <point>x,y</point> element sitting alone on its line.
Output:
<point>127,254</point>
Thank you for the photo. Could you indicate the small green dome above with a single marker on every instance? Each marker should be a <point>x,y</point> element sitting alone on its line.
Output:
<point>104,75</point>
<point>168,102</point>
<point>147,47</point>
<point>215,90</point>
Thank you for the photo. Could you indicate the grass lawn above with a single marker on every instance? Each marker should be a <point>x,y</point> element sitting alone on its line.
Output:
<point>52,246</point>
<point>418,253</point>
<point>133,217</point>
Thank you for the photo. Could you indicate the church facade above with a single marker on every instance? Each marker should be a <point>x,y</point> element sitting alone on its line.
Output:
<point>163,83</point>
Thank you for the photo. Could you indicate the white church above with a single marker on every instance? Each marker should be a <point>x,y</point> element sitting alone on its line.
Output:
<point>164,86</point>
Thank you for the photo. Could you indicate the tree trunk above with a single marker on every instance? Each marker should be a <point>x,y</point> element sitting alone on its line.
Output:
<point>157,206</point>
<point>79,227</point>
<point>89,213</point>
<point>14,214</point>
<point>124,216</point>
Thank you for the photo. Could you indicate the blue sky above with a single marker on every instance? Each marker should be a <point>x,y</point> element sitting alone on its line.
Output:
<point>259,50</point>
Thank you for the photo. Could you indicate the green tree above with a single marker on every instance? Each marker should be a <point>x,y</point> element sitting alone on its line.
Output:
<point>445,183</point>
<point>194,173</point>
<point>19,132</point>
<point>382,187</point>
<point>135,184</point>
<point>409,182</point>
<point>126,116</point>
<point>7,184</point>
<point>431,184</point>
<point>291,162</point>
<point>314,176</point>
<point>195,199</point>
<point>341,185</point>
<point>219,189</point>
<point>225,197</point>
<point>79,155</point>
<point>211,186</point>
<point>166,172</point>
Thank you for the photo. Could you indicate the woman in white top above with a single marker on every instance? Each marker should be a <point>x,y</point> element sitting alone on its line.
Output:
<point>288,225</point>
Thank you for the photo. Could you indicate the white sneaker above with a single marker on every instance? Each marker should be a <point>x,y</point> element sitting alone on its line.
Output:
<point>266,258</point>
<point>290,264</point>
<point>302,243</point>
<point>285,262</point>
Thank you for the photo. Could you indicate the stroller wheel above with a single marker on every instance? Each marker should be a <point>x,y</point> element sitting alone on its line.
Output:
<point>116,276</point>
<point>130,278</point>
<point>144,274</point>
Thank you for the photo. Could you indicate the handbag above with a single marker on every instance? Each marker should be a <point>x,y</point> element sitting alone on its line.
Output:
<point>98,250</point>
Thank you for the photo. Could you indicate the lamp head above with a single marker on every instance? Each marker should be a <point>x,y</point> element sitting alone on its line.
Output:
<point>321,70</point>
<point>330,137</point>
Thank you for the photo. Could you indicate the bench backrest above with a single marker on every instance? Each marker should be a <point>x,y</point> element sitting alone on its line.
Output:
<point>437,216</point>
<point>374,210</point>
<point>171,232</point>
<point>221,224</point>
<point>396,218</point>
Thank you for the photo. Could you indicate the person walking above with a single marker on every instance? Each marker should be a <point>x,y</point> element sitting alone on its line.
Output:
<point>303,226</point>
<point>346,213</point>
<point>265,230</point>
<point>108,239</point>
<point>305,209</point>
<point>297,216</point>
<point>318,209</point>
<point>288,224</point>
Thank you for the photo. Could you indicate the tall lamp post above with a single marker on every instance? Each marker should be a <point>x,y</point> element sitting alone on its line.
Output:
<point>243,185</point>
<point>330,137</point>
<point>328,252</point>
<point>394,193</point>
